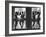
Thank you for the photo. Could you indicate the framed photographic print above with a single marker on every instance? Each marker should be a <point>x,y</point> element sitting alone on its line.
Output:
<point>24,18</point>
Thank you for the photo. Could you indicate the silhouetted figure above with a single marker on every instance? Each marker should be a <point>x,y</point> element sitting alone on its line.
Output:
<point>38,19</point>
<point>22,19</point>
<point>16,13</point>
<point>22,16</point>
<point>34,14</point>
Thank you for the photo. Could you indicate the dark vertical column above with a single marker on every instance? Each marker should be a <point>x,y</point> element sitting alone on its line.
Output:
<point>12,17</point>
<point>28,19</point>
<point>6,18</point>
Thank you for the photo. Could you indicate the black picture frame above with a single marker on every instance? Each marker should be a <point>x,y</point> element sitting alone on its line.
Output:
<point>7,18</point>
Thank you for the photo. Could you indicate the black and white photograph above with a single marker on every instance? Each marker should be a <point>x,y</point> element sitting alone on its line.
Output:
<point>20,18</point>
<point>24,18</point>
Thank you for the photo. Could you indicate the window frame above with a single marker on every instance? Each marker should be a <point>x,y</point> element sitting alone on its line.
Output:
<point>7,17</point>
